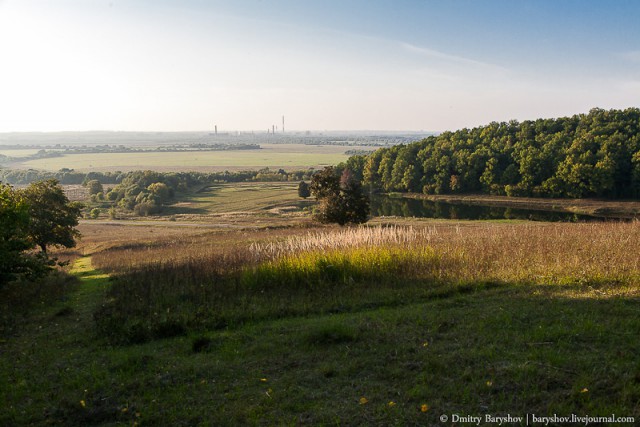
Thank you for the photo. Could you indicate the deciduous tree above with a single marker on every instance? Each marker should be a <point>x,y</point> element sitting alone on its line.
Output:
<point>94,187</point>
<point>341,198</point>
<point>52,218</point>
<point>303,190</point>
<point>14,241</point>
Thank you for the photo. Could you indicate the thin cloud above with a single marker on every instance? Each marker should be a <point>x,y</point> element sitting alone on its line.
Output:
<point>452,59</point>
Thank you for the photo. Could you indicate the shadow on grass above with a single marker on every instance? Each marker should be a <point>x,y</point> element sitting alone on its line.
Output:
<point>514,349</point>
<point>19,299</point>
<point>179,207</point>
<point>478,348</point>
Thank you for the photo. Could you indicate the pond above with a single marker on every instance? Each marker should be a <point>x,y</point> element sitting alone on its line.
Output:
<point>421,208</point>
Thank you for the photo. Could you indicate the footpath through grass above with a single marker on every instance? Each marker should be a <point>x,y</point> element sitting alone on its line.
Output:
<point>53,353</point>
<point>544,349</point>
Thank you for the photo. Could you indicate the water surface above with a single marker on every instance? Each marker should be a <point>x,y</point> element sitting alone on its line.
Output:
<point>422,208</point>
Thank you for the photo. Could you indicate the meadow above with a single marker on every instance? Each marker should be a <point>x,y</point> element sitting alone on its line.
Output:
<point>242,198</point>
<point>287,156</point>
<point>385,324</point>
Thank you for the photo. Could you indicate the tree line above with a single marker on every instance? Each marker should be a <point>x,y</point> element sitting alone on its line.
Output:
<point>72,177</point>
<point>586,155</point>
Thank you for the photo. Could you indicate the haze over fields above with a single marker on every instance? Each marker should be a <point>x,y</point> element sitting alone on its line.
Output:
<point>242,65</point>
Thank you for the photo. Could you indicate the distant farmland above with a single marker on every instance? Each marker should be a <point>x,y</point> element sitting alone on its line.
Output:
<point>17,152</point>
<point>286,156</point>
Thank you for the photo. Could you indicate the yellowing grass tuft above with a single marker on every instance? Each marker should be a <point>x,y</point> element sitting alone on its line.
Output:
<point>347,266</point>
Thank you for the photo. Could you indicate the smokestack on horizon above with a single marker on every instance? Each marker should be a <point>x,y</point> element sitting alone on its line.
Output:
<point>282,124</point>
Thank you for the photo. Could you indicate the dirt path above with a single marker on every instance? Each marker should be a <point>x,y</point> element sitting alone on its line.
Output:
<point>54,348</point>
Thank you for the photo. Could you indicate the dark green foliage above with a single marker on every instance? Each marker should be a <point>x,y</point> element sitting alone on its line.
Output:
<point>303,190</point>
<point>52,217</point>
<point>14,240</point>
<point>587,155</point>
<point>325,183</point>
<point>341,199</point>
<point>355,205</point>
<point>39,215</point>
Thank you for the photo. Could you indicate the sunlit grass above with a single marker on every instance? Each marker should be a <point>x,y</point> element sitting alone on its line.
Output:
<point>346,267</point>
<point>83,268</point>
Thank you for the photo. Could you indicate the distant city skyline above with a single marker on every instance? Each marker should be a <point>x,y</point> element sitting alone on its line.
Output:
<point>405,65</point>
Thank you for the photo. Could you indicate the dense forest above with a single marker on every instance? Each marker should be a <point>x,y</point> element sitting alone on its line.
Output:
<point>586,155</point>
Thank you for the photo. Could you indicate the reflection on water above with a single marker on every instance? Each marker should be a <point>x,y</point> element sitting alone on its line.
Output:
<point>420,208</point>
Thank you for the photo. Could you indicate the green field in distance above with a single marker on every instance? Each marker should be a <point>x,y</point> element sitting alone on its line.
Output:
<point>287,156</point>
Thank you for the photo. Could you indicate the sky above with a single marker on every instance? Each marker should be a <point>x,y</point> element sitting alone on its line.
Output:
<point>401,65</point>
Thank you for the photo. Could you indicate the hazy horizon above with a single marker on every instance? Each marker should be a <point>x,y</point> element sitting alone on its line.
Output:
<point>233,132</point>
<point>358,66</point>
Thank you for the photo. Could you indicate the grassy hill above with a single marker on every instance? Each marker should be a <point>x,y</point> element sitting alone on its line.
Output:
<point>324,326</point>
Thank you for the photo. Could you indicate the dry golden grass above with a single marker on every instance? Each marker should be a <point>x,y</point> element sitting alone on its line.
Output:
<point>534,253</point>
<point>131,246</point>
<point>538,253</point>
<point>100,236</point>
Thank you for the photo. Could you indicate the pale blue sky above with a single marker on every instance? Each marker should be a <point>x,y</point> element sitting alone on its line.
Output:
<point>325,65</point>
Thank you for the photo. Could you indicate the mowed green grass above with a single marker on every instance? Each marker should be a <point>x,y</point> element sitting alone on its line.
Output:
<point>240,197</point>
<point>288,156</point>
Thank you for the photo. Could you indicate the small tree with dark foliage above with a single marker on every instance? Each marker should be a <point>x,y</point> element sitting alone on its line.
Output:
<point>340,198</point>
<point>303,190</point>
<point>355,203</point>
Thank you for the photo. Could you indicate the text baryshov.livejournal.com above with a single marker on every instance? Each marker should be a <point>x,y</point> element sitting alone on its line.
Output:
<point>535,419</point>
